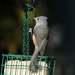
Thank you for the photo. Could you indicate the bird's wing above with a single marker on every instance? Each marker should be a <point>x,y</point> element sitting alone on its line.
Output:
<point>35,41</point>
<point>43,46</point>
<point>39,34</point>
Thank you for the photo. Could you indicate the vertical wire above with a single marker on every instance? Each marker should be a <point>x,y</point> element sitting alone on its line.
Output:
<point>49,67</point>
<point>11,65</point>
<point>2,63</point>
<point>6,65</point>
<point>16,66</point>
<point>40,65</point>
<point>21,66</point>
<point>54,66</point>
<point>45,66</point>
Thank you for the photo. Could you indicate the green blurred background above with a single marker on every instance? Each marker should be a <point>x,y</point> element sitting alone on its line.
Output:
<point>61,19</point>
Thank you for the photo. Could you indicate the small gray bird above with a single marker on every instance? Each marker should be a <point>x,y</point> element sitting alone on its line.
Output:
<point>40,34</point>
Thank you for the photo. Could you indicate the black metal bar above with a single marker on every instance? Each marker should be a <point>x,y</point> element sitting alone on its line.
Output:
<point>24,6</point>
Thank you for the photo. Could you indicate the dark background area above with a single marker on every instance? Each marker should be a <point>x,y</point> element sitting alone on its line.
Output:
<point>61,19</point>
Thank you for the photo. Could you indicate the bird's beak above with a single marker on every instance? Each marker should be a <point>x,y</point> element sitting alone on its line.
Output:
<point>34,18</point>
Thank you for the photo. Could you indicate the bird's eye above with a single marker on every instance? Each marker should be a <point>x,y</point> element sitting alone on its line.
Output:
<point>37,18</point>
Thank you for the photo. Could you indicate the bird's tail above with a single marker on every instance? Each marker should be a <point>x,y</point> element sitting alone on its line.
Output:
<point>33,62</point>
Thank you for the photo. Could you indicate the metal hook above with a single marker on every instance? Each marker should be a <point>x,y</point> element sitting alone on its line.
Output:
<point>24,6</point>
<point>34,10</point>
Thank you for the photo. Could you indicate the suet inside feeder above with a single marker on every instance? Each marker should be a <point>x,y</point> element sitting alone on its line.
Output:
<point>19,65</point>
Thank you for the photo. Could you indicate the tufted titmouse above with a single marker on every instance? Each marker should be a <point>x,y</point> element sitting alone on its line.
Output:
<point>40,34</point>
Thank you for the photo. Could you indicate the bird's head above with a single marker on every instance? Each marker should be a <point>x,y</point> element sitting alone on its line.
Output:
<point>41,20</point>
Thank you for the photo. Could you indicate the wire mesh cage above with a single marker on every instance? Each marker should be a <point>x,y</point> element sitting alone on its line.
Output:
<point>19,65</point>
